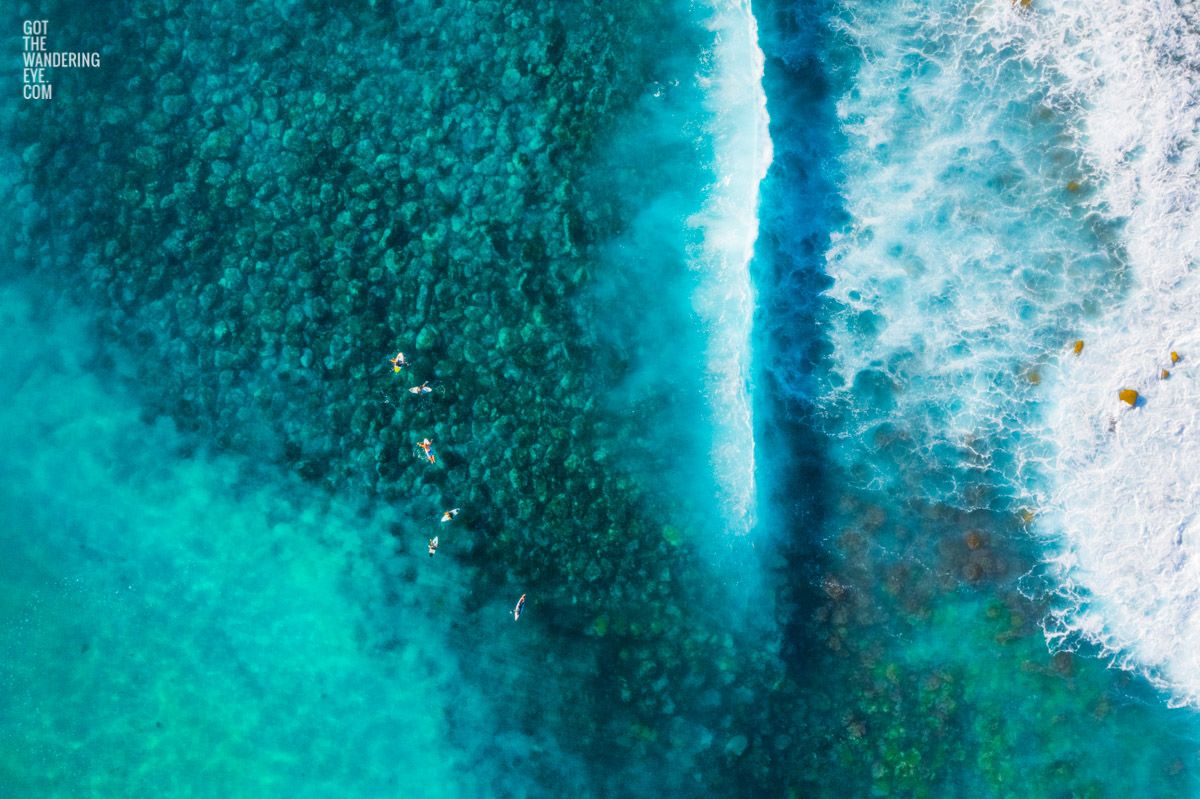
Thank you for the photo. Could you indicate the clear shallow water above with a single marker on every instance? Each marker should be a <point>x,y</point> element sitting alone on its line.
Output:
<point>186,624</point>
<point>253,229</point>
<point>151,599</point>
<point>211,508</point>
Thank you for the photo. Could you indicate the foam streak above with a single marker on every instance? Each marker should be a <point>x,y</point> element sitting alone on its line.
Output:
<point>728,222</point>
<point>1121,517</point>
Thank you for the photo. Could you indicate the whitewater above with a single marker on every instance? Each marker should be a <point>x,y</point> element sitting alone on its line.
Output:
<point>1019,178</point>
<point>728,225</point>
<point>1121,509</point>
<point>701,143</point>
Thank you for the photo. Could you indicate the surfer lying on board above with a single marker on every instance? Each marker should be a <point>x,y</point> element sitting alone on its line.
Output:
<point>398,362</point>
<point>433,542</point>
<point>421,389</point>
<point>450,514</point>
<point>516,612</point>
<point>427,445</point>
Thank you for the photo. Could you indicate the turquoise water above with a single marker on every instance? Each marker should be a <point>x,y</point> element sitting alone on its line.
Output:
<point>751,338</point>
<point>176,624</point>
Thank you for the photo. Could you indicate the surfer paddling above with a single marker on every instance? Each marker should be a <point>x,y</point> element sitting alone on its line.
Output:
<point>433,545</point>
<point>427,446</point>
<point>450,514</point>
<point>421,389</point>
<point>398,362</point>
<point>516,612</point>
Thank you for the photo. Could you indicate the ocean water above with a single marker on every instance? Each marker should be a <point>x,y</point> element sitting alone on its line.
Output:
<point>1123,536</point>
<point>176,625</point>
<point>235,227</point>
<point>752,334</point>
<point>955,202</point>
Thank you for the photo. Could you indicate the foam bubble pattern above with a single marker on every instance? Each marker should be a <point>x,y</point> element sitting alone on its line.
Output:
<point>1121,515</point>
<point>967,257</point>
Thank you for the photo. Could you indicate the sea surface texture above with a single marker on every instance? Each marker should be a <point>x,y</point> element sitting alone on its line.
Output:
<point>820,376</point>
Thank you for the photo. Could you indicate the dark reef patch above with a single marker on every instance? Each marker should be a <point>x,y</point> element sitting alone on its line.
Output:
<point>264,202</point>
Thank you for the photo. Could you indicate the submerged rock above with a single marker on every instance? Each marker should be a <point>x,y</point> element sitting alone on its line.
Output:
<point>737,745</point>
<point>426,338</point>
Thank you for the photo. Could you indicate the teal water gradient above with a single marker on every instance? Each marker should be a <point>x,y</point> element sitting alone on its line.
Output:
<point>215,579</point>
<point>232,233</point>
<point>177,624</point>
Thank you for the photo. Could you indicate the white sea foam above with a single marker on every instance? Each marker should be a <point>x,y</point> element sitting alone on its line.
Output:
<point>728,223</point>
<point>1126,491</point>
<point>951,281</point>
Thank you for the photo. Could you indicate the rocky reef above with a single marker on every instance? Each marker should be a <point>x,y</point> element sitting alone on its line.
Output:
<point>266,202</point>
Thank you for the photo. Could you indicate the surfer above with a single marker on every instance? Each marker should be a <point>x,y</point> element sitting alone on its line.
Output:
<point>398,362</point>
<point>516,612</point>
<point>421,389</point>
<point>433,544</point>
<point>450,514</point>
<point>427,446</point>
